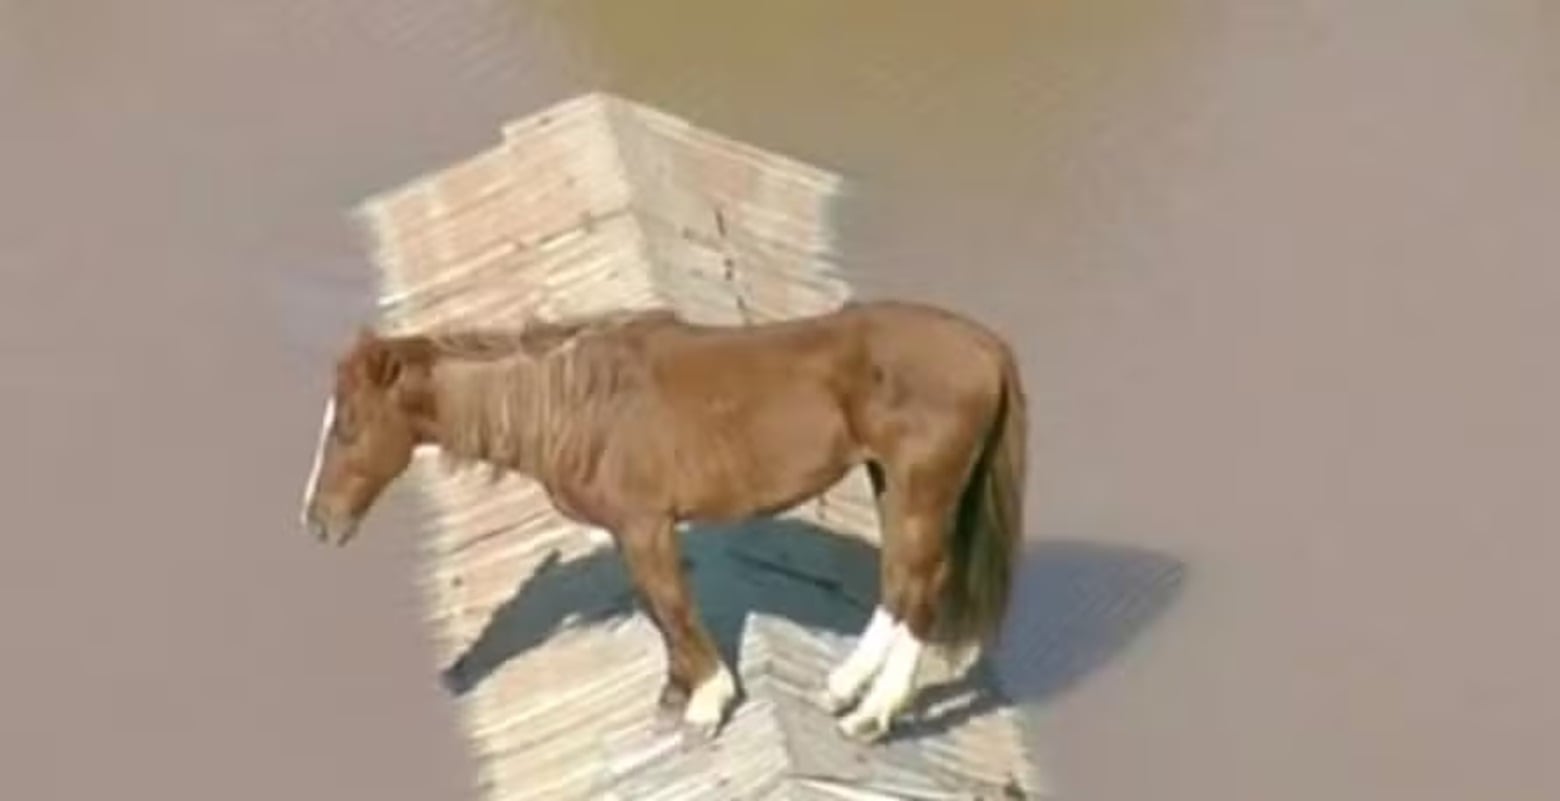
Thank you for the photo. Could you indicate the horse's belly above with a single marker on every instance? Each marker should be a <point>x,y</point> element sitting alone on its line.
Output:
<point>767,472</point>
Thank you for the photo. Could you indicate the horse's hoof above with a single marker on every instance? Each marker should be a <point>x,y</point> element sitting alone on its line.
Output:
<point>695,735</point>
<point>704,727</point>
<point>834,704</point>
<point>709,704</point>
<point>669,708</point>
<point>672,698</point>
<point>666,721</point>
<point>863,728</point>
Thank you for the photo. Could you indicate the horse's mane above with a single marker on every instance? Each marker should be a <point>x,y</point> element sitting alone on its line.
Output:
<point>535,336</point>
<point>539,397</point>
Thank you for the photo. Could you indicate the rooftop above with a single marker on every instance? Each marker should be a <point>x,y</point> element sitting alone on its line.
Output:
<point>600,203</point>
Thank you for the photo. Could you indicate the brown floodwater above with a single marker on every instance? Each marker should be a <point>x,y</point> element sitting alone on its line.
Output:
<point>1285,279</point>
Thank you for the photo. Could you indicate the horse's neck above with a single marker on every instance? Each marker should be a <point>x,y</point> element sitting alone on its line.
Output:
<point>546,416</point>
<point>487,415</point>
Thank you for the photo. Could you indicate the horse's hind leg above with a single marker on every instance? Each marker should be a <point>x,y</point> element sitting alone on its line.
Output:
<point>920,502</point>
<point>695,670</point>
<point>908,611</point>
<point>849,679</point>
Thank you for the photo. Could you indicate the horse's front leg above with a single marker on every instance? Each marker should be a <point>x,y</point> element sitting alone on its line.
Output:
<point>695,671</point>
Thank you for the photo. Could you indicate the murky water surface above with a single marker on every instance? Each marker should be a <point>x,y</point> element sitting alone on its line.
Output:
<point>1282,276</point>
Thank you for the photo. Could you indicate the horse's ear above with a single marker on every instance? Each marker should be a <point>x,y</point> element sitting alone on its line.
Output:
<point>381,363</point>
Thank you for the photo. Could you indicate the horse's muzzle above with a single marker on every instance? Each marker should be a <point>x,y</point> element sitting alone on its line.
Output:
<point>315,528</point>
<point>338,531</point>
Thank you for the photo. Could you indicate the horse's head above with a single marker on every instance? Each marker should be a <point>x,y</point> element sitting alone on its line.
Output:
<point>376,416</point>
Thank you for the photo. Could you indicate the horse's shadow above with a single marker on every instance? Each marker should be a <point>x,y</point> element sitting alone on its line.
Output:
<point>1076,604</point>
<point>781,567</point>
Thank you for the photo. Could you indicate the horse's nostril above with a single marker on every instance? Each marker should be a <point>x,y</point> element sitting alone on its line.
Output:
<point>348,531</point>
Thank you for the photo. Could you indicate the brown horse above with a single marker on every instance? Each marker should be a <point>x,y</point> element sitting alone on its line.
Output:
<point>637,421</point>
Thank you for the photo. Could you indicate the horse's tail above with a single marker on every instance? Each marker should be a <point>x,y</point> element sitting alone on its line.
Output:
<point>988,530</point>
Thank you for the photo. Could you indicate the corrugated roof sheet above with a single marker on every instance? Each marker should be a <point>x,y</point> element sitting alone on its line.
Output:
<point>598,203</point>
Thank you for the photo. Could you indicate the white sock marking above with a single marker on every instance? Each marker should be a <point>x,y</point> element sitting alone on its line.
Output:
<point>893,687</point>
<point>847,681</point>
<point>312,486</point>
<point>710,699</point>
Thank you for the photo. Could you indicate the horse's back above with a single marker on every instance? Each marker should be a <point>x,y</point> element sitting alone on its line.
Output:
<point>907,342</point>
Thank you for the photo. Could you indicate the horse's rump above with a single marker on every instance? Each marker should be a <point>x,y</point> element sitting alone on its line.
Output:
<point>825,393</point>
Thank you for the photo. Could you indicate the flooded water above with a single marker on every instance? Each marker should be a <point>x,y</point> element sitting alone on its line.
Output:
<point>1282,277</point>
